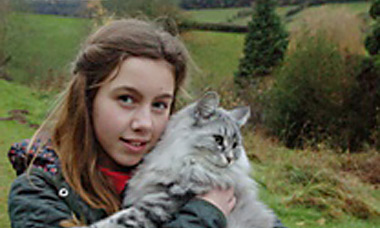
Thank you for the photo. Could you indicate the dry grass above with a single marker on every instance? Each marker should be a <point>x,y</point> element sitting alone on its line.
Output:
<point>318,178</point>
<point>339,24</point>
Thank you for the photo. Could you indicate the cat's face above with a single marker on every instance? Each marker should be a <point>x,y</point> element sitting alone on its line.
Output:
<point>217,131</point>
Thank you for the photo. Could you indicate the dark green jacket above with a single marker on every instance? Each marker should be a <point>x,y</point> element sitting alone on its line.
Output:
<point>44,199</point>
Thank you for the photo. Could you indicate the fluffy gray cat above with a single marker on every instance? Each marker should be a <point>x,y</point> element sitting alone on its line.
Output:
<point>200,150</point>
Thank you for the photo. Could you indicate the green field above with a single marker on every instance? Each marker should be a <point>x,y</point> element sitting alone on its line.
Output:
<point>215,54</point>
<point>42,46</point>
<point>51,44</point>
<point>227,15</point>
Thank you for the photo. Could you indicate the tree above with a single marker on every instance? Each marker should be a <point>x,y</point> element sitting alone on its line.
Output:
<point>372,42</point>
<point>265,43</point>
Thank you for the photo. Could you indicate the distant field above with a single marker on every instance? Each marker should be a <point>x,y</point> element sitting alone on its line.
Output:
<point>216,54</point>
<point>225,15</point>
<point>222,15</point>
<point>214,15</point>
<point>43,45</point>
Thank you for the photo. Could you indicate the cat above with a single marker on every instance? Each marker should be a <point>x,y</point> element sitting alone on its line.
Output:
<point>200,150</point>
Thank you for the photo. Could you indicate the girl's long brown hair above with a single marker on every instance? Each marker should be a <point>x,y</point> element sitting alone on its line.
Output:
<point>70,124</point>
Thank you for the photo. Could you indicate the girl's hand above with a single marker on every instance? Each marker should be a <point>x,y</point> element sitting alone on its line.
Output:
<point>224,200</point>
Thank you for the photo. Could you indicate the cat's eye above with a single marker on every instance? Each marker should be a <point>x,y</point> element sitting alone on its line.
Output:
<point>218,139</point>
<point>234,145</point>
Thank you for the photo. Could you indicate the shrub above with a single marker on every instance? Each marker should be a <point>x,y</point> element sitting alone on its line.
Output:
<point>309,99</point>
<point>326,91</point>
<point>372,42</point>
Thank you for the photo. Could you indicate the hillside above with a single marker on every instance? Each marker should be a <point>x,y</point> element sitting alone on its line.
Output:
<point>21,110</point>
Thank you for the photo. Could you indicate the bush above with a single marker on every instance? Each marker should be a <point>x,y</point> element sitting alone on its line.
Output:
<point>372,42</point>
<point>310,99</point>
<point>326,90</point>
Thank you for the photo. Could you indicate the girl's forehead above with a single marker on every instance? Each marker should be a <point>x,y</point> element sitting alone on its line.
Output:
<point>143,75</point>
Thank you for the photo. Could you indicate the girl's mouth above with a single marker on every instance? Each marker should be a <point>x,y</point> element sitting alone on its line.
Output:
<point>134,145</point>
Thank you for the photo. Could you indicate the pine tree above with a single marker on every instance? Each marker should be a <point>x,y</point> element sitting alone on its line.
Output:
<point>265,43</point>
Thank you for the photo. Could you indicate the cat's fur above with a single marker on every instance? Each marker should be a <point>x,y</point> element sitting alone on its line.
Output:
<point>200,150</point>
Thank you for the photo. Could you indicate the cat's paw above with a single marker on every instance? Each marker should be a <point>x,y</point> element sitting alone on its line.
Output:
<point>129,218</point>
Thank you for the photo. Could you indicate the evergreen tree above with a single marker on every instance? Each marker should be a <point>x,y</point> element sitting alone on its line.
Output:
<point>372,42</point>
<point>265,43</point>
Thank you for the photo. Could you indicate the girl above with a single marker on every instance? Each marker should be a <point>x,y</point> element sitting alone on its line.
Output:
<point>123,90</point>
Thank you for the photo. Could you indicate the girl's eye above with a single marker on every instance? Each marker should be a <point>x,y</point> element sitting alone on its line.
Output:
<point>160,105</point>
<point>218,139</point>
<point>126,99</point>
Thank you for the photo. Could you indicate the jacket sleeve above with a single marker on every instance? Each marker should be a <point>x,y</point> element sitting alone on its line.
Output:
<point>198,214</point>
<point>34,203</point>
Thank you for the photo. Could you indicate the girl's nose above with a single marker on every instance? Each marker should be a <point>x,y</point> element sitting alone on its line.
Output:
<point>142,120</point>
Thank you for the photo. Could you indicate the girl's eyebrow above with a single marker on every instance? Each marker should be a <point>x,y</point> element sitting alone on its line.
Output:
<point>165,96</point>
<point>133,90</point>
<point>128,89</point>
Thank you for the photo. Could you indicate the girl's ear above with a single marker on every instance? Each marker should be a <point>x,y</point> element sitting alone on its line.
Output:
<point>240,115</point>
<point>207,105</point>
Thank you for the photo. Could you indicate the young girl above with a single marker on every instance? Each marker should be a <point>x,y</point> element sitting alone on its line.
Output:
<point>123,89</point>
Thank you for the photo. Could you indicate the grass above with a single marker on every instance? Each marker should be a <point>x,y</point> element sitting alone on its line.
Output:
<point>286,176</point>
<point>18,97</point>
<point>216,54</point>
<point>214,15</point>
<point>42,46</point>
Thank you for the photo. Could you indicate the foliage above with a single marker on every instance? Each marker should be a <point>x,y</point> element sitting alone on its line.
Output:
<point>326,91</point>
<point>374,11</point>
<point>372,42</point>
<point>202,4</point>
<point>265,43</point>
<point>218,27</point>
<point>318,97</point>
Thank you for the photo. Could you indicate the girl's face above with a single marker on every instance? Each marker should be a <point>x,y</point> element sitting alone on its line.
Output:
<point>131,111</point>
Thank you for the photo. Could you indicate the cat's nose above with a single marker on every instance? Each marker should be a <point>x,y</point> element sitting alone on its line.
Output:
<point>229,158</point>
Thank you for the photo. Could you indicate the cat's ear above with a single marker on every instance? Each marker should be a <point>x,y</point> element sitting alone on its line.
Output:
<point>240,115</point>
<point>207,105</point>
